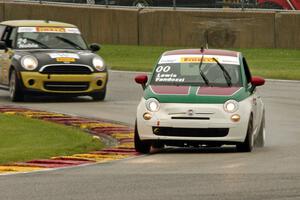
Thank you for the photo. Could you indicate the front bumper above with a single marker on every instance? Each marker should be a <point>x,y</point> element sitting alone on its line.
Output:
<point>64,84</point>
<point>210,120</point>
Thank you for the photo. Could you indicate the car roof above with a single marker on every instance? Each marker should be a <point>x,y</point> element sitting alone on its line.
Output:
<point>218,52</point>
<point>30,23</point>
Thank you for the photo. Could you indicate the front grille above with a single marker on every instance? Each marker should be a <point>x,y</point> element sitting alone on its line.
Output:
<point>190,132</point>
<point>66,86</point>
<point>66,69</point>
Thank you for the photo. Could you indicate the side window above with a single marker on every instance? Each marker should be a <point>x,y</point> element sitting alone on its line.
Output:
<point>2,29</point>
<point>12,38</point>
<point>247,71</point>
<point>7,36</point>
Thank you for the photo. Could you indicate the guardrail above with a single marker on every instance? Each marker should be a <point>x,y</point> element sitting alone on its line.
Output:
<point>237,4</point>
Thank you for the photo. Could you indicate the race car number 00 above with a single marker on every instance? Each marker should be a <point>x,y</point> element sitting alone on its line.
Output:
<point>163,68</point>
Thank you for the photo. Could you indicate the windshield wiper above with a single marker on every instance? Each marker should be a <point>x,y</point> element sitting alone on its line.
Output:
<point>225,72</point>
<point>201,72</point>
<point>37,42</point>
<point>69,42</point>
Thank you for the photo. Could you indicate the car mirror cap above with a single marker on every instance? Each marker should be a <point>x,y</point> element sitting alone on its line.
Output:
<point>94,47</point>
<point>257,81</point>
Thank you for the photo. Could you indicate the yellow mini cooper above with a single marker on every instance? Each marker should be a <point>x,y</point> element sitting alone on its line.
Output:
<point>49,57</point>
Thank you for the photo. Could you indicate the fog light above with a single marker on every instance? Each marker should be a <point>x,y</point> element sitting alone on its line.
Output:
<point>31,82</point>
<point>147,116</point>
<point>99,82</point>
<point>235,118</point>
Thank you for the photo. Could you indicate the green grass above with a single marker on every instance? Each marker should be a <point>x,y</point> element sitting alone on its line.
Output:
<point>269,63</point>
<point>23,139</point>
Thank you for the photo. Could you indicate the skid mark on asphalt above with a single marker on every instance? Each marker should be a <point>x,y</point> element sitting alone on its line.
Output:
<point>120,136</point>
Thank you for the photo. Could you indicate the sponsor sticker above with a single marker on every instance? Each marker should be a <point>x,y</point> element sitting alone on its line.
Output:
<point>65,59</point>
<point>197,59</point>
<point>48,30</point>
<point>63,55</point>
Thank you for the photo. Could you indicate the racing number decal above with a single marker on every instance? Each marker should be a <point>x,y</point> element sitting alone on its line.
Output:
<point>163,69</point>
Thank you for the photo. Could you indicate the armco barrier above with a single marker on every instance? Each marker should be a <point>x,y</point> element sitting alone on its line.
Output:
<point>193,28</point>
<point>288,30</point>
<point>222,28</point>
<point>113,26</point>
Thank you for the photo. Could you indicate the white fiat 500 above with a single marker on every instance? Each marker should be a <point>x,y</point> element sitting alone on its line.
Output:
<point>200,97</point>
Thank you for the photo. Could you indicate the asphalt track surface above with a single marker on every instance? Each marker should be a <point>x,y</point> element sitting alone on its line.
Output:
<point>272,172</point>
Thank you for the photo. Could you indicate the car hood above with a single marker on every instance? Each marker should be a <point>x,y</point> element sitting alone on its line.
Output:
<point>195,94</point>
<point>46,57</point>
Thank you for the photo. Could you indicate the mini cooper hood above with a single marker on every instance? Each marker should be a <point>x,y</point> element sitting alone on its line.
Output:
<point>195,94</point>
<point>46,57</point>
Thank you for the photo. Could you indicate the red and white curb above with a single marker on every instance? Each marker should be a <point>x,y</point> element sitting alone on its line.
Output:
<point>120,135</point>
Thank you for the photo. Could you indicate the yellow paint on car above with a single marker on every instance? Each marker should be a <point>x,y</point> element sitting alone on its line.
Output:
<point>40,79</point>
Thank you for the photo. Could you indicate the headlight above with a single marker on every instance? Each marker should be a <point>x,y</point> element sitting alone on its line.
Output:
<point>152,105</point>
<point>29,62</point>
<point>98,64</point>
<point>231,106</point>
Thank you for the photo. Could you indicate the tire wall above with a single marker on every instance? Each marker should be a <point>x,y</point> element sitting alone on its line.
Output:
<point>191,28</point>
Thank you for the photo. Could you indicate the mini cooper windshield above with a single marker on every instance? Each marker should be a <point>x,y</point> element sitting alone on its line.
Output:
<point>49,38</point>
<point>189,73</point>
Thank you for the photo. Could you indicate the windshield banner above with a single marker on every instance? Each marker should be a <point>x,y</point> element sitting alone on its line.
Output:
<point>48,30</point>
<point>197,59</point>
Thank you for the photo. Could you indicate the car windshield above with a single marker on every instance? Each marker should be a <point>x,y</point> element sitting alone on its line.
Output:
<point>49,38</point>
<point>188,72</point>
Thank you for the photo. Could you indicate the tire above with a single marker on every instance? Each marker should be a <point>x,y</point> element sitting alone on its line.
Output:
<point>99,96</point>
<point>139,145</point>
<point>261,137</point>
<point>15,91</point>
<point>158,145</point>
<point>247,145</point>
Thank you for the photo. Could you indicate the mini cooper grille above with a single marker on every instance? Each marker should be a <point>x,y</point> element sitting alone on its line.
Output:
<point>190,132</point>
<point>66,69</point>
<point>66,86</point>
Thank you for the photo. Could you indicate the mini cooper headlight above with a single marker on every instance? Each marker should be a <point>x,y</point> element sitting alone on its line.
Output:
<point>152,105</point>
<point>231,106</point>
<point>98,64</point>
<point>29,62</point>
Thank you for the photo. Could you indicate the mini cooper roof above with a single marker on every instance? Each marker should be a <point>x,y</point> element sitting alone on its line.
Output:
<point>30,23</point>
<point>205,52</point>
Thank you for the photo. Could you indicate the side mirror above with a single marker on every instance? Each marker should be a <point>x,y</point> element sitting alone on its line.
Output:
<point>141,79</point>
<point>3,45</point>
<point>95,47</point>
<point>257,81</point>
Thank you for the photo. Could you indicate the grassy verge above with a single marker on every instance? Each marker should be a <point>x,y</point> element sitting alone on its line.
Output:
<point>23,139</point>
<point>269,63</point>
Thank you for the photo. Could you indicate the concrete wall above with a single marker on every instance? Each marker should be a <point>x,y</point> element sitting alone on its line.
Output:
<point>114,26</point>
<point>193,28</point>
<point>288,30</point>
<point>222,29</point>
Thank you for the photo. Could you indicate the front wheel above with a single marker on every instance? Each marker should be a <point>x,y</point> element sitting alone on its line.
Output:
<point>99,96</point>
<point>248,144</point>
<point>139,145</point>
<point>15,91</point>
